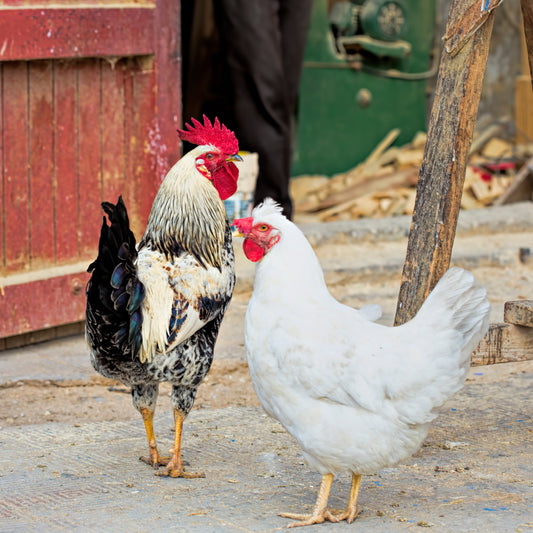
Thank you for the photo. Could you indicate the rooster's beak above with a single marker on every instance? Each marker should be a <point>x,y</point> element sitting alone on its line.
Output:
<point>238,233</point>
<point>234,157</point>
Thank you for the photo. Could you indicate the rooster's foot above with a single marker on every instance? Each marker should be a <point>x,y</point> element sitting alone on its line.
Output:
<point>155,460</point>
<point>179,472</point>
<point>174,468</point>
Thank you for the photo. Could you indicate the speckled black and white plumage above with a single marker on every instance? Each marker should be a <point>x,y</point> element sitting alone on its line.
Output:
<point>184,366</point>
<point>154,309</point>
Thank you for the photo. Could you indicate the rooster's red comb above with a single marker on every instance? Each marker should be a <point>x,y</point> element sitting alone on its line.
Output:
<point>214,134</point>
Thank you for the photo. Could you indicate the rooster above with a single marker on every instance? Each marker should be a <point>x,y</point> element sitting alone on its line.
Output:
<point>356,395</point>
<point>154,309</point>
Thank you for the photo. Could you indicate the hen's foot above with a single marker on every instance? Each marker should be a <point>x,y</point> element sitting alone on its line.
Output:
<point>321,513</point>
<point>348,514</point>
<point>315,518</point>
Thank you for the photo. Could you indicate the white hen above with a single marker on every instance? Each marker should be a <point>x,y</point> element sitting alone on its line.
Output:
<point>356,395</point>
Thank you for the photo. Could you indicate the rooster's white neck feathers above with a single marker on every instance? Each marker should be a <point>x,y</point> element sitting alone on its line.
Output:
<point>188,214</point>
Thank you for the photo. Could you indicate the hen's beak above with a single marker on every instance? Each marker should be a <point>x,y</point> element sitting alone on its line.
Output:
<point>238,233</point>
<point>234,157</point>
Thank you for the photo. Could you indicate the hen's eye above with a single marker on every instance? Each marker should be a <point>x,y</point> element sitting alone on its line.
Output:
<point>263,227</point>
<point>209,156</point>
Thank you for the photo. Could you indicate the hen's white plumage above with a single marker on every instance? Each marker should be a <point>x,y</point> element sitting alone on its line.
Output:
<point>357,396</point>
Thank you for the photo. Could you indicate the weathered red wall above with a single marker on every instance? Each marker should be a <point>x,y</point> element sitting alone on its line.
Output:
<point>90,101</point>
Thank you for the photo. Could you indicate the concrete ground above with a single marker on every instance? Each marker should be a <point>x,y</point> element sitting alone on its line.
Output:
<point>474,472</point>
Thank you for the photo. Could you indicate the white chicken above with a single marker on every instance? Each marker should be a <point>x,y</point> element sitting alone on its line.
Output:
<point>356,395</point>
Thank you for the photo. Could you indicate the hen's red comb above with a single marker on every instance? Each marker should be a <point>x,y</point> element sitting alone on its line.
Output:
<point>215,134</point>
<point>244,225</point>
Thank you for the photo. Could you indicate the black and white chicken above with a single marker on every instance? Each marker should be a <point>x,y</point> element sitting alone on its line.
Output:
<point>154,308</point>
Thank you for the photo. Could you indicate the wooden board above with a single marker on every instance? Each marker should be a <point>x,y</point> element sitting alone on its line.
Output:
<point>41,174</point>
<point>504,343</point>
<point>519,313</point>
<point>527,17</point>
<point>89,153</point>
<point>67,242</point>
<point>524,109</point>
<point>16,199</point>
<point>63,32</point>
<point>113,137</point>
<point>55,297</point>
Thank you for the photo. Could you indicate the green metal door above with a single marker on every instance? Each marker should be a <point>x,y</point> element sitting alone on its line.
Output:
<point>365,72</point>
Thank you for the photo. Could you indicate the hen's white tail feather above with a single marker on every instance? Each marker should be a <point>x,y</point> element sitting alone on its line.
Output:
<point>455,316</point>
<point>458,302</point>
<point>371,312</point>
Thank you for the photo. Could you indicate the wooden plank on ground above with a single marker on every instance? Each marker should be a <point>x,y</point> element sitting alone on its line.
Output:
<point>371,184</point>
<point>484,137</point>
<point>370,164</point>
<point>519,313</point>
<point>521,187</point>
<point>504,343</point>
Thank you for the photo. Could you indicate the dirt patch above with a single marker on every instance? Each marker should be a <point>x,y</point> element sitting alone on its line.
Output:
<point>228,384</point>
<point>36,402</point>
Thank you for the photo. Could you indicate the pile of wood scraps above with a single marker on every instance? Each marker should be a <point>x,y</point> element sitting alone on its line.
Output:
<point>385,183</point>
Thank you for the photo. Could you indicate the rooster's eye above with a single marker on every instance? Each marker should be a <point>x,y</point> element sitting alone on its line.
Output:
<point>263,227</point>
<point>209,156</point>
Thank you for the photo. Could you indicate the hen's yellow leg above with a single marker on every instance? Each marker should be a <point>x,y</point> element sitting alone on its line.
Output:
<point>350,512</point>
<point>174,467</point>
<point>154,459</point>
<point>321,512</point>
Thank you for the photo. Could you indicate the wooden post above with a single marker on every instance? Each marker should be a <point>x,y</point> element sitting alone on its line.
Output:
<point>441,178</point>
<point>527,16</point>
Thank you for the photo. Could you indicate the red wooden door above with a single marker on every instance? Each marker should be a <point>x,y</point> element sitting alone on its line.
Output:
<point>89,106</point>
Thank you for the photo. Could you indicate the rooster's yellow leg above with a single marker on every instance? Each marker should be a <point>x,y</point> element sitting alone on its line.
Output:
<point>154,459</point>
<point>174,467</point>
<point>321,513</point>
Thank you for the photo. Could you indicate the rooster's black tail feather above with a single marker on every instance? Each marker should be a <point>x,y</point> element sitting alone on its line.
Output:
<point>114,292</point>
